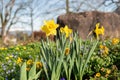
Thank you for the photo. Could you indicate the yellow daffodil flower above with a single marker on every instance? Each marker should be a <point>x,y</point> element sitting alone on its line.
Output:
<point>29,62</point>
<point>115,41</point>
<point>49,27</point>
<point>108,71</point>
<point>98,74</point>
<point>99,31</point>
<point>101,46</point>
<point>67,50</point>
<point>27,69</point>
<point>39,65</point>
<point>66,30</point>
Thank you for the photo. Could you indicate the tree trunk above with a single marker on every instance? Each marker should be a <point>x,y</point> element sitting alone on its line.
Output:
<point>32,31</point>
<point>3,32</point>
<point>32,37</point>
<point>67,6</point>
<point>8,28</point>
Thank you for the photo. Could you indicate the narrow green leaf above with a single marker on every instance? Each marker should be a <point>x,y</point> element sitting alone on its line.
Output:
<point>32,72</point>
<point>45,69</point>
<point>38,74</point>
<point>53,74</point>
<point>58,69</point>
<point>23,72</point>
<point>65,68</point>
<point>89,55</point>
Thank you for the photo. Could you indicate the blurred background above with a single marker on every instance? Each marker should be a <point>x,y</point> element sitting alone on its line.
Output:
<point>20,20</point>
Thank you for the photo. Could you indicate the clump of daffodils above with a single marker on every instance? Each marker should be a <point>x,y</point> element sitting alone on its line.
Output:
<point>99,31</point>
<point>50,27</point>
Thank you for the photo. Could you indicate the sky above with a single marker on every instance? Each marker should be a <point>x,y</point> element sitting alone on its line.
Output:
<point>53,6</point>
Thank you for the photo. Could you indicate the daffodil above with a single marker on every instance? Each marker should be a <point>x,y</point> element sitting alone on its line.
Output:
<point>67,50</point>
<point>101,46</point>
<point>27,69</point>
<point>29,62</point>
<point>97,74</point>
<point>99,31</point>
<point>108,71</point>
<point>66,30</point>
<point>115,41</point>
<point>49,27</point>
<point>39,65</point>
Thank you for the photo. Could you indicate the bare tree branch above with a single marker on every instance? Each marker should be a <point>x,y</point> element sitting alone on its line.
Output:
<point>9,11</point>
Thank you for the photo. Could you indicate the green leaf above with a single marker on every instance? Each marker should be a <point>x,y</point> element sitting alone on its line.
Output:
<point>53,73</point>
<point>38,74</point>
<point>89,55</point>
<point>45,69</point>
<point>65,68</point>
<point>32,72</point>
<point>58,69</point>
<point>23,73</point>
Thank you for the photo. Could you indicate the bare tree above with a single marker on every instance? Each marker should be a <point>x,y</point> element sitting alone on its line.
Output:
<point>34,7</point>
<point>74,5</point>
<point>9,10</point>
